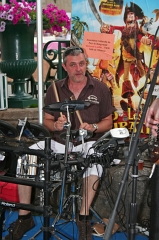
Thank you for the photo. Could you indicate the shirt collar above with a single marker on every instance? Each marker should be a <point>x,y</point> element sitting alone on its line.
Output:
<point>89,81</point>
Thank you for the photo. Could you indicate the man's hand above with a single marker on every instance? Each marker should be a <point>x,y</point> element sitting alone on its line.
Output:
<point>152,117</point>
<point>58,125</point>
<point>105,28</point>
<point>145,40</point>
<point>87,126</point>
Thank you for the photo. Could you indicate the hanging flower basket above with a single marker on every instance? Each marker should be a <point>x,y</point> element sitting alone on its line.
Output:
<point>15,12</point>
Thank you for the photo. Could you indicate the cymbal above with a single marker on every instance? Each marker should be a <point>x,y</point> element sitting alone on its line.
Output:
<point>6,129</point>
<point>62,106</point>
<point>76,135</point>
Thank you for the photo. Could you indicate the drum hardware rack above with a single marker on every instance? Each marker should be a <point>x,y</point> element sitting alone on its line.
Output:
<point>46,185</point>
<point>46,154</point>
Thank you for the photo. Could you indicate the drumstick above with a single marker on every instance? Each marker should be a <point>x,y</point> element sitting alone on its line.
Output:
<point>79,116</point>
<point>56,94</point>
<point>77,112</point>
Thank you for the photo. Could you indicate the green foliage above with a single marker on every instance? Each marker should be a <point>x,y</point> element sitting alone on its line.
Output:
<point>79,27</point>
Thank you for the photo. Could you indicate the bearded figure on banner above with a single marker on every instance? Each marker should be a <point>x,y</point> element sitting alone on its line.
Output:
<point>132,60</point>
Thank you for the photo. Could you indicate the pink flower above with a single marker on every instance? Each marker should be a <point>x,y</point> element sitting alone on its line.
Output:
<point>10,17</point>
<point>16,12</point>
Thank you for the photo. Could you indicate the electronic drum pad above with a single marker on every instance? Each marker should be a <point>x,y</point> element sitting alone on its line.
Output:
<point>72,105</point>
<point>38,131</point>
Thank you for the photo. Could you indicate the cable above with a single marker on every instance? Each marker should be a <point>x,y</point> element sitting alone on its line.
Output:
<point>111,194</point>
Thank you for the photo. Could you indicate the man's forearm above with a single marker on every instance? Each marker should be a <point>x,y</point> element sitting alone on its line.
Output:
<point>50,125</point>
<point>105,125</point>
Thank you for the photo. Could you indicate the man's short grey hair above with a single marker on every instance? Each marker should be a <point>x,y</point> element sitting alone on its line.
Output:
<point>73,51</point>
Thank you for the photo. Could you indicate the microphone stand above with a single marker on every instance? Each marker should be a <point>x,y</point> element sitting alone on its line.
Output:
<point>134,153</point>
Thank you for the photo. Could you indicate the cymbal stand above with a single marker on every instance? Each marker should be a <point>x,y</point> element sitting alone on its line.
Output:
<point>68,129</point>
<point>71,202</point>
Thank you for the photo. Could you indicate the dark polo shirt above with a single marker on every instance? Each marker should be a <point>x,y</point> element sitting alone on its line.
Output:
<point>95,90</point>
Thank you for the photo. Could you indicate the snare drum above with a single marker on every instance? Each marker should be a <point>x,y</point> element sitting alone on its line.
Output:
<point>27,166</point>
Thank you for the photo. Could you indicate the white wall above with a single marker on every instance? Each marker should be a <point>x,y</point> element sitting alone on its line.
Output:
<point>62,4</point>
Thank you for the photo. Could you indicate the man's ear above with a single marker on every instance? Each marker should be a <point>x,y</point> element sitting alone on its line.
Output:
<point>63,65</point>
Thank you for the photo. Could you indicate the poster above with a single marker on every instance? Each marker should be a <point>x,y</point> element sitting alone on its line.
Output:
<point>119,37</point>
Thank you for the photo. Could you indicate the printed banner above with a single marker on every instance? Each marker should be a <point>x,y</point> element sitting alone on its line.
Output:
<point>121,39</point>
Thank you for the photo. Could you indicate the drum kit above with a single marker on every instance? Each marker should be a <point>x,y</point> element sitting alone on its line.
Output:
<point>33,165</point>
<point>45,166</point>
